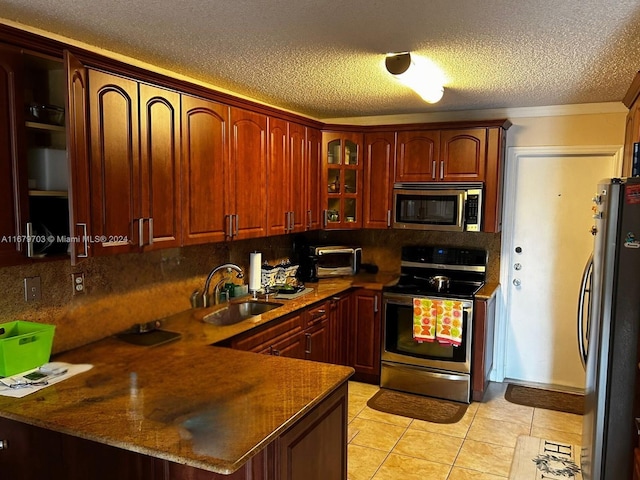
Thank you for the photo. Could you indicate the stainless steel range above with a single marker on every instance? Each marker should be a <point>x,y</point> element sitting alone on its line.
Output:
<point>437,286</point>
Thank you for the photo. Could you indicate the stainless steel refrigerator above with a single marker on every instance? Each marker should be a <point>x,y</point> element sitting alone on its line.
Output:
<point>609,335</point>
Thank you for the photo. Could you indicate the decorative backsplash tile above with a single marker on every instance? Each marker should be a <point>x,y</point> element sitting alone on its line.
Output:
<point>123,290</point>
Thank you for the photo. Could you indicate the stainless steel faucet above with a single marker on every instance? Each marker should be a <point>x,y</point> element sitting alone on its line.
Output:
<point>199,300</point>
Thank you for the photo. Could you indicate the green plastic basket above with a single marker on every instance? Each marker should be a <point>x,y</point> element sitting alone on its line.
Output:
<point>23,346</point>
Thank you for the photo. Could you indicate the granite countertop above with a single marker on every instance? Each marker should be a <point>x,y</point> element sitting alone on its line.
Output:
<point>178,401</point>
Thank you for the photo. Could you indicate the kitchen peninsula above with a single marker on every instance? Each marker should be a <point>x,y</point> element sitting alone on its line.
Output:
<point>185,409</point>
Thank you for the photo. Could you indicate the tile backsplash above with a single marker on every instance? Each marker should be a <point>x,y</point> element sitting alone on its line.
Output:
<point>122,290</point>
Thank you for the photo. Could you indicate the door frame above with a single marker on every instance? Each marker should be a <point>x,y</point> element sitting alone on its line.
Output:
<point>514,155</point>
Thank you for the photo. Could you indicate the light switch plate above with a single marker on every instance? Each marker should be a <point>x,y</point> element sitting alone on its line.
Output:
<point>32,292</point>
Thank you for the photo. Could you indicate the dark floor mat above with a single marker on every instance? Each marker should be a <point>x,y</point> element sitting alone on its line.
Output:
<point>549,399</point>
<point>416,406</point>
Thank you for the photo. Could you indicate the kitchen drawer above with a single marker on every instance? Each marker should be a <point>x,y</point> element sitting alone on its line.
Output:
<point>255,339</point>
<point>315,314</point>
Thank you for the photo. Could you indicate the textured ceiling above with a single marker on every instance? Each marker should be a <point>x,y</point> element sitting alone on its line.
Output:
<point>325,59</point>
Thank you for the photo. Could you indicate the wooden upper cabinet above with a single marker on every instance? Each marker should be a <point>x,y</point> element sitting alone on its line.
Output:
<point>77,112</point>
<point>205,158</point>
<point>417,155</point>
<point>441,155</point>
<point>632,131</point>
<point>286,188</point>
<point>160,157</point>
<point>463,155</point>
<point>135,164</point>
<point>278,178</point>
<point>11,108</point>
<point>299,163</point>
<point>115,162</point>
<point>378,179</point>
<point>248,174</point>
<point>313,178</point>
<point>342,183</point>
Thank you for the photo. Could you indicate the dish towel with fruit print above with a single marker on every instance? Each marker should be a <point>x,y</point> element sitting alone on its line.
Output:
<point>449,322</point>
<point>424,320</point>
<point>439,320</point>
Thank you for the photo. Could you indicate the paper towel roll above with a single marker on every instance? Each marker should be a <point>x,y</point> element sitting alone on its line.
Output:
<point>255,271</point>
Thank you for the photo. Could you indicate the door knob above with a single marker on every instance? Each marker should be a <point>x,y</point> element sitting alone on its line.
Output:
<point>516,282</point>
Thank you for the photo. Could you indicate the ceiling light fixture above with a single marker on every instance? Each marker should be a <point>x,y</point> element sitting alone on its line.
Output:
<point>417,73</point>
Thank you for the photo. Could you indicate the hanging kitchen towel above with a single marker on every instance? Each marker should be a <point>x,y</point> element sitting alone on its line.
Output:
<point>424,320</point>
<point>449,322</point>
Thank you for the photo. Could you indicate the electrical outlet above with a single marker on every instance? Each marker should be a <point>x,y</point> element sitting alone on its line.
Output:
<point>32,292</point>
<point>77,280</point>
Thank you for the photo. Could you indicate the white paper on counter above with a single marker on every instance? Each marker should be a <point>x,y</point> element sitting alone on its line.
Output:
<point>255,271</point>
<point>52,380</point>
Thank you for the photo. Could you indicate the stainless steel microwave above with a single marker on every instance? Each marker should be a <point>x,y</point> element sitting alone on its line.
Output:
<point>454,207</point>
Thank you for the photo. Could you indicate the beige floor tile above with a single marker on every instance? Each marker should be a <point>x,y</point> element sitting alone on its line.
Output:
<point>557,435</point>
<point>397,467</point>
<point>381,436</point>
<point>371,414</point>
<point>363,462</point>
<point>429,446</point>
<point>365,389</point>
<point>458,429</point>
<point>500,409</point>
<point>494,391</point>
<point>550,419</point>
<point>355,404</point>
<point>497,432</point>
<point>464,474</point>
<point>485,457</point>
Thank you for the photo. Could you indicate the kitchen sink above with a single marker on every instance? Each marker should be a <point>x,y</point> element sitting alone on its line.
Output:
<point>237,312</point>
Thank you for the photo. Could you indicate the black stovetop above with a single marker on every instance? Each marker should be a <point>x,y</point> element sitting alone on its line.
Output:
<point>465,268</point>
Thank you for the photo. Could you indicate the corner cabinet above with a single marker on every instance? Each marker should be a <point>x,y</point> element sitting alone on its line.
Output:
<point>342,175</point>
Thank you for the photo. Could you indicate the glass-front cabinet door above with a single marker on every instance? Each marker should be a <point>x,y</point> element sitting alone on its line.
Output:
<point>342,174</point>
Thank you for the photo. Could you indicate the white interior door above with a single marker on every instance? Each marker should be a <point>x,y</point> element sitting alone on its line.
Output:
<point>546,243</point>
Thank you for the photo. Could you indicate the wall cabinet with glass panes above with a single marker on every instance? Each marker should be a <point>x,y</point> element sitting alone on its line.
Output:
<point>342,176</point>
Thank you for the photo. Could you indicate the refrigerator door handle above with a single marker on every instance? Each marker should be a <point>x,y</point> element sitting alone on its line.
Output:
<point>585,287</point>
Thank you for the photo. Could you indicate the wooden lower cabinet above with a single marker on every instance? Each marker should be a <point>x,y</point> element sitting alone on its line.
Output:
<point>339,323</point>
<point>305,335</point>
<point>314,448</point>
<point>482,349</point>
<point>365,336</point>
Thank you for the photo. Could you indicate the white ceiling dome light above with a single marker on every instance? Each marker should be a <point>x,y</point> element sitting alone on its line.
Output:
<point>417,73</point>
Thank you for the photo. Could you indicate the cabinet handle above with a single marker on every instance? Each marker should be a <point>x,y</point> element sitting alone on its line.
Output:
<point>275,352</point>
<point>85,240</point>
<point>150,230</point>
<point>388,218</point>
<point>308,347</point>
<point>29,232</point>
<point>433,169</point>
<point>441,169</point>
<point>4,444</point>
<point>375,304</point>
<point>140,232</point>
<point>292,216</point>
<point>325,216</point>
<point>310,220</point>
<point>229,229</point>
<point>235,234</point>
